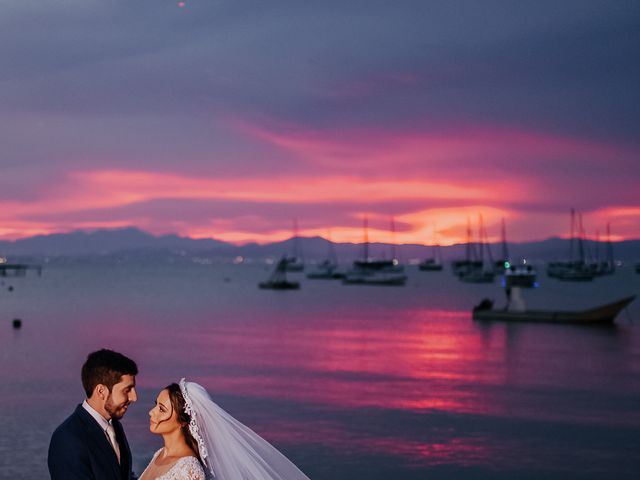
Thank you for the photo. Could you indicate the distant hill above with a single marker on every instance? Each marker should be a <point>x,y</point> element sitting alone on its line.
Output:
<point>101,242</point>
<point>133,241</point>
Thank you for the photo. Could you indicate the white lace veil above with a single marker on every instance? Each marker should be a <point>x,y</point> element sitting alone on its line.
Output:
<point>229,449</point>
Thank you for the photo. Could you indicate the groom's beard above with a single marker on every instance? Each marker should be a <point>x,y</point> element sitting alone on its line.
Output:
<point>116,411</point>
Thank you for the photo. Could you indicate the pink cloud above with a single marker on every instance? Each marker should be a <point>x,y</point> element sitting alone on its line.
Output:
<point>103,190</point>
<point>529,178</point>
<point>489,148</point>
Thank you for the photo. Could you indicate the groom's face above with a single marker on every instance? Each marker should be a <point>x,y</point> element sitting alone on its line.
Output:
<point>121,396</point>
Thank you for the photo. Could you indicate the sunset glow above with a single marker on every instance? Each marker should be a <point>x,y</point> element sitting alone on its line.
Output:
<point>231,133</point>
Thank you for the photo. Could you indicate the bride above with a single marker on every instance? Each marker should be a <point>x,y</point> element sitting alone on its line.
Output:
<point>202,441</point>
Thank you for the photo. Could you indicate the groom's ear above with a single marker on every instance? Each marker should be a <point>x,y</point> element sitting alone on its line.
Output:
<point>101,391</point>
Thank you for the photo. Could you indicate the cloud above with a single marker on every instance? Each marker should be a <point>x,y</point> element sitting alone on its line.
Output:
<point>114,109</point>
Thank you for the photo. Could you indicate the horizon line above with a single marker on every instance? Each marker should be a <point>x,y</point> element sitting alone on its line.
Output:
<point>89,231</point>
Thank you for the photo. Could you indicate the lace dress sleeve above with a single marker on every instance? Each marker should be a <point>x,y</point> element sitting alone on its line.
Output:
<point>189,468</point>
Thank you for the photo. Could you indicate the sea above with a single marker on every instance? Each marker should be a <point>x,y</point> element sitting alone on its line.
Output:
<point>348,381</point>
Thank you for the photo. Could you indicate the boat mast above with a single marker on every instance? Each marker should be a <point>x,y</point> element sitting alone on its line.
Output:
<point>609,246</point>
<point>333,258</point>
<point>470,250</point>
<point>365,243</point>
<point>393,239</point>
<point>484,244</point>
<point>481,244</point>
<point>571,246</point>
<point>580,239</point>
<point>505,248</point>
<point>297,251</point>
<point>488,245</point>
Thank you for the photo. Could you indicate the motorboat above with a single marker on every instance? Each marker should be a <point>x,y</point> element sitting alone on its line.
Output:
<point>603,314</point>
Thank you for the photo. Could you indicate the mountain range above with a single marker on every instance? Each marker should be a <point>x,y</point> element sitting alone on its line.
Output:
<point>133,241</point>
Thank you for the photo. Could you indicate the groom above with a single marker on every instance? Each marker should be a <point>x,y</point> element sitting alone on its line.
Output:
<point>90,444</point>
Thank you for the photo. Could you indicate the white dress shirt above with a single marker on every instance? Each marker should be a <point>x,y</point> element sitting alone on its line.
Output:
<point>105,425</point>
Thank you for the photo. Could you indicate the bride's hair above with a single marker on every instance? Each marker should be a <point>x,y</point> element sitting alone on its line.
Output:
<point>177,402</point>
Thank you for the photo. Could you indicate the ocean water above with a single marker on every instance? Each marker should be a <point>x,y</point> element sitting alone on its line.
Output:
<point>350,382</point>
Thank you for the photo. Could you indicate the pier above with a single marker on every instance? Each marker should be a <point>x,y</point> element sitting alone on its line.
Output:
<point>18,269</point>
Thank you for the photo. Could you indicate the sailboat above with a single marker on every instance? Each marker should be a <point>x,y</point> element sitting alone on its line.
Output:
<point>368,271</point>
<point>378,264</point>
<point>434,262</point>
<point>278,279</point>
<point>295,262</point>
<point>485,273</point>
<point>470,262</point>
<point>576,269</point>
<point>328,268</point>
<point>607,266</point>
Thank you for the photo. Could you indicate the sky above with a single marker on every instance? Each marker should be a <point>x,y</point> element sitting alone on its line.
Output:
<point>234,119</point>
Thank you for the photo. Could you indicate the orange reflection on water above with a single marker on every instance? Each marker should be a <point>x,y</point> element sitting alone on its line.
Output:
<point>413,366</point>
<point>412,363</point>
<point>406,366</point>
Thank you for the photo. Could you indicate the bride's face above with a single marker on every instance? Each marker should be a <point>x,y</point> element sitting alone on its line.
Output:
<point>162,416</point>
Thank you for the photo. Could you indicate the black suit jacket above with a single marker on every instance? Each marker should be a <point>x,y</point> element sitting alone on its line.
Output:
<point>80,450</point>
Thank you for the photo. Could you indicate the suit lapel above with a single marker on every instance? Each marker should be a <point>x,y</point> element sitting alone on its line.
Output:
<point>98,443</point>
<point>125,452</point>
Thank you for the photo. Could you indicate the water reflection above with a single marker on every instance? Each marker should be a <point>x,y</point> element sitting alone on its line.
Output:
<point>431,362</point>
<point>366,382</point>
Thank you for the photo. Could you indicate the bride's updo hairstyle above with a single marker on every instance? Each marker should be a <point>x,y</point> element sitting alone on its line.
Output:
<point>183,418</point>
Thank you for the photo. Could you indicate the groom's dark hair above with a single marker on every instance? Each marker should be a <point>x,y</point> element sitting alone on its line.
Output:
<point>105,367</point>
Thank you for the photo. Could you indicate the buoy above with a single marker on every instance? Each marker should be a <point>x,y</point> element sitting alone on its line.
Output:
<point>17,323</point>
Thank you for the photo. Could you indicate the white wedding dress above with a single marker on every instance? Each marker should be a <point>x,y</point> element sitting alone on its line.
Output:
<point>187,468</point>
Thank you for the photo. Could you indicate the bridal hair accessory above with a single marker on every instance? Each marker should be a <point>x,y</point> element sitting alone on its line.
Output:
<point>193,426</point>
